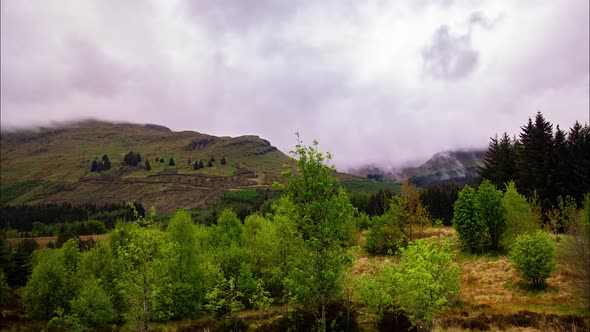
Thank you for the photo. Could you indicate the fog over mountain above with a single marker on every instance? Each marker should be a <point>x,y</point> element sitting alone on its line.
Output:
<point>379,82</point>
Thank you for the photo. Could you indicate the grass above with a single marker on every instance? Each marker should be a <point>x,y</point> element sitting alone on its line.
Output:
<point>368,186</point>
<point>493,293</point>
<point>62,158</point>
<point>10,193</point>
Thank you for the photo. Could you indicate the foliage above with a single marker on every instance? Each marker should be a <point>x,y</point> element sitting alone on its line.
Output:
<point>470,229</point>
<point>491,212</point>
<point>92,306</point>
<point>439,200</point>
<point>575,251</point>
<point>386,239</point>
<point>519,216</point>
<point>132,158</point>
<point>535,256</point>
<point>325,215</point>
<point>542,161</point>
<point>412,213</point>
<point>52,283</point>
<point>22,217</point>
<point>428,279</point>
<point>565,214</point>
<point>4,288</point>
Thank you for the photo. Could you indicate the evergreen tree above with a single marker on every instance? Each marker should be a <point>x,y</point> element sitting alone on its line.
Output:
<point>537,151</point>
<point>223,161</point>
<point>560,165</point>
<point>196,165</point>
<point>171,162</point>
<point>578,146</point>
<point>209,164</point>
<point>94,167</point>
<point>490,160</point>
<point>148,167</point>
<point>201,164</point>
<point>161,160</point>
<point>106,163</point>
<point>212,159</point>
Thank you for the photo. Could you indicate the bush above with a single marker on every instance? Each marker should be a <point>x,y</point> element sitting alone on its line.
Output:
<point>385,239</point>
<point>535,256</point>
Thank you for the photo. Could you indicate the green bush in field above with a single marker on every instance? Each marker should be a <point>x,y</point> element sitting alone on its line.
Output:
<point>385,239</point>
<point>535,256</point>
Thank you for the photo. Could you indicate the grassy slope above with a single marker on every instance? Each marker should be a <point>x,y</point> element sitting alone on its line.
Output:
<point>54,166</point>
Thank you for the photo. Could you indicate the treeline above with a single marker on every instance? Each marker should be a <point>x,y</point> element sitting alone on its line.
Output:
<point>542,162</point>
<point>133,158</point>
<point>22,217</point>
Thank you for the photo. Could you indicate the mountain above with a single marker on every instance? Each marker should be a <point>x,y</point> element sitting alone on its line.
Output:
<point>53,165</point>
<point>459,167</point>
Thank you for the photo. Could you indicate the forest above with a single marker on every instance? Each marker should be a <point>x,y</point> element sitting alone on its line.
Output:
<point>311,256</point>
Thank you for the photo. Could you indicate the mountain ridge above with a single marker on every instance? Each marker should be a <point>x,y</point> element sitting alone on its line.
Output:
<point>456,166</point>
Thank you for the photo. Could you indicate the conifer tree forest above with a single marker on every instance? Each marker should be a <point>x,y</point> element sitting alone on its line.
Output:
<point>316,257</point>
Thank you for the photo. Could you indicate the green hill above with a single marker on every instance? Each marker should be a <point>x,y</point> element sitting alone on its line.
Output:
<point>53,165</point>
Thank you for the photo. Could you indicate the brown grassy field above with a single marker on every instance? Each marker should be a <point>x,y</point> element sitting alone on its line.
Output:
<point>42,242</point>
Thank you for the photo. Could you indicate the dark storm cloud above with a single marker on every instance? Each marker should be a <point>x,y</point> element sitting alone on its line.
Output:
<point>386,82</point>
<point>449,57</point>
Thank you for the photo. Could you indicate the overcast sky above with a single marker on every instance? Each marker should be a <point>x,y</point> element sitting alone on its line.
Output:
<point>388,82</point>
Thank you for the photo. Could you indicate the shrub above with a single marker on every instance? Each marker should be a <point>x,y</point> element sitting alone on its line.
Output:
<point>535,256</point>
<point>385,239</point>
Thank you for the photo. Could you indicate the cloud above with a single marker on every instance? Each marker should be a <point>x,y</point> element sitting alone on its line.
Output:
<point>449,57</point>
<point>374,82</point>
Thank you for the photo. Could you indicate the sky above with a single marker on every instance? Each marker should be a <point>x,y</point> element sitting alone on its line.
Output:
<point>375,82</point>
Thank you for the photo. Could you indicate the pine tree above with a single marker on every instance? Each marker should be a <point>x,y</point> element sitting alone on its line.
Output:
<point>223,161</point>
<point>578,146</point>
<point>201,164</point>
<point>212,159</point>
<point>94,167</point>
<point>171,162</point>
<point>490,160</point>
<point>148,167</point>
<point>106,163</point>
<point>560,164</point>
<point>209,164</point>
<point>196,165</point>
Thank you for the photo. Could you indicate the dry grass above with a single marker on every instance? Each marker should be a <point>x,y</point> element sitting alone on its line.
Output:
<point>42,242</point>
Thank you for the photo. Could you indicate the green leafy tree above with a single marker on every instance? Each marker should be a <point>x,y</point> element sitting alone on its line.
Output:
<point>465,220</point>
<point>323,211</point>
<point>92,306</point>
<point>52,284</point>
<point>519,216</point>
<point>412,214</point>
<point>185,287</point>
<point>428,278</point>
<point>535,256</point>
<point>491,212</point>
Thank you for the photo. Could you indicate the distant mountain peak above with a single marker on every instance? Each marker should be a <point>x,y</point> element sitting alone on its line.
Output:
<point>459,166</point>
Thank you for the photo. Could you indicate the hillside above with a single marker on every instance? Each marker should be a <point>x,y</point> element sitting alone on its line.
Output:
<point>53,165</point>
<point>459,167</point>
